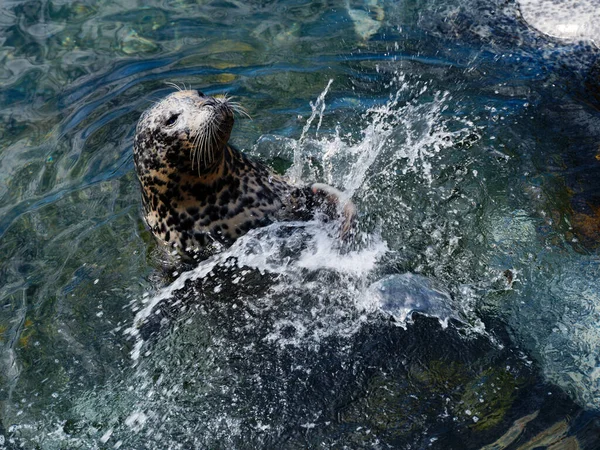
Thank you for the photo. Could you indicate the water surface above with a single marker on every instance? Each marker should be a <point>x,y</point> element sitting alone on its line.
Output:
<point>468,140</point>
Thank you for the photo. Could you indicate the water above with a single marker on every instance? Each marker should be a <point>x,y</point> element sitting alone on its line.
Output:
<point>464,315</point>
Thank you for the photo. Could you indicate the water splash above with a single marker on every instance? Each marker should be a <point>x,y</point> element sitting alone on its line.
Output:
<point>318,109</point>
<point>409,133</point>
<point>286,250</point>
<point>403,295</point>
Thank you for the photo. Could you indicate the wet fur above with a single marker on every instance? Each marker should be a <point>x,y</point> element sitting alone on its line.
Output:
<point>198,190</point>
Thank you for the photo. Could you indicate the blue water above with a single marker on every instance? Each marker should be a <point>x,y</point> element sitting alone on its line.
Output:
<point>466,313</point>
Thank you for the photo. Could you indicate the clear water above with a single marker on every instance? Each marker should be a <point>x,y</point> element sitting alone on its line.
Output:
<point>465,315</point>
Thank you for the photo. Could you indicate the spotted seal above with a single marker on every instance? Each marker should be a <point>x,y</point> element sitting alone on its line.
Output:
<point>198,190</point>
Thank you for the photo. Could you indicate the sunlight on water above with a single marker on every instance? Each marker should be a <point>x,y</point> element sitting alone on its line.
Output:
<point>563,19</point>
<point>463,315</point>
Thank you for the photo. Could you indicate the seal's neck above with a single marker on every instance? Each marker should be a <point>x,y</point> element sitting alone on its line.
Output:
<point>219,169</point>
<point>208,174</point>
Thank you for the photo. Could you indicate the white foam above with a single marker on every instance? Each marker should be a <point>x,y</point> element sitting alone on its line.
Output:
<point>322,253</point>
<point>266,250</point>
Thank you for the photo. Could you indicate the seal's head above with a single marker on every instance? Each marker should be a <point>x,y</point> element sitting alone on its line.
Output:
<point>186,131</point>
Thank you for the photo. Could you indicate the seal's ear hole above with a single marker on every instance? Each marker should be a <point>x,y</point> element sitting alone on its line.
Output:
<point>172,119</point>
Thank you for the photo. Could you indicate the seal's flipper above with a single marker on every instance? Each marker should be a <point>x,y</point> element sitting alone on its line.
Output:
<point>344,207</point>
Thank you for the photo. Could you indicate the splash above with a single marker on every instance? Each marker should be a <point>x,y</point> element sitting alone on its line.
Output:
<point>408,132</point>
<point>287,251</point>
<point>403,295</point>
<point>317,109</point>
<point>286,291</point>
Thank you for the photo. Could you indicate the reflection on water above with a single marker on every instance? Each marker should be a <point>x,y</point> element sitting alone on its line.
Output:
<point>469,142</point>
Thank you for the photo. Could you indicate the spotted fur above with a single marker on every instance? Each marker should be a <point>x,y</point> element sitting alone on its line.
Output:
<point>196,188</point>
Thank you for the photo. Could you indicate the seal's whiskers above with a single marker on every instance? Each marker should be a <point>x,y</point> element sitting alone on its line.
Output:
<point>194,150</point>
<point>236,107</point>
<point>174,85</point>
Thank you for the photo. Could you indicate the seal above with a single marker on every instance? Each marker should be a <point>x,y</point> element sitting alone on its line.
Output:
<point>198,191</point>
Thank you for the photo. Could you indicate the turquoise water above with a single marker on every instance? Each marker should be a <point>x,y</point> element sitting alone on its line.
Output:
<point>468,141</point>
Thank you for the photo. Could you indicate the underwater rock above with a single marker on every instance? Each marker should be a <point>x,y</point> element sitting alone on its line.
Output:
<point>133,44</point>
<point>367,18</point>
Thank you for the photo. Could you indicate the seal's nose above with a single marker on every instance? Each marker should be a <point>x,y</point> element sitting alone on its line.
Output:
<point>200,93</point>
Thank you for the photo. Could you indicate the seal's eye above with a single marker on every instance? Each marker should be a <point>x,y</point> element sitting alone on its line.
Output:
<point>172,119</point>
